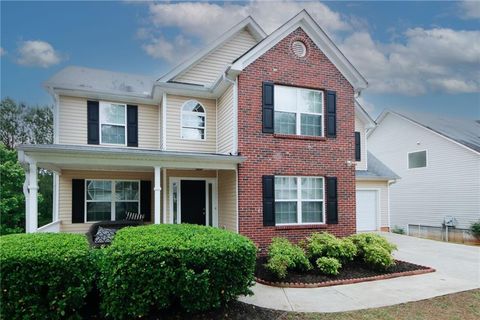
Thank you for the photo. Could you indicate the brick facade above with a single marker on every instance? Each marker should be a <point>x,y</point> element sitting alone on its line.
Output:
<point>269,154</point>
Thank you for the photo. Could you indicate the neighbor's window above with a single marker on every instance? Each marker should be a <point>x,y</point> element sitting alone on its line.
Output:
<point>298,111</point>
<point>113,123</point>
<point>417,159</point>
<point>193,120</point>
<point>299,200</point>
<point>111,200</point>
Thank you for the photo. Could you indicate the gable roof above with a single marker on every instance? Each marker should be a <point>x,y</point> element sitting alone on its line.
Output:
<point>321,39</point>
<point>377,170</point>
<point>248,23</point>
<point>465,132</point>
<point>364,116</point>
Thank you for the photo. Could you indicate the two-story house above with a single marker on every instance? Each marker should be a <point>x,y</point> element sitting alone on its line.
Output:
<point>254,134</point>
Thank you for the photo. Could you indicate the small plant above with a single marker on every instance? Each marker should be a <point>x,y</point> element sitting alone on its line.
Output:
<point>328,266</point>
<point>374,250</point>
<point>327,245</point>
<point>283,256</point>
<point>475,229</point>
<point>398,230</point>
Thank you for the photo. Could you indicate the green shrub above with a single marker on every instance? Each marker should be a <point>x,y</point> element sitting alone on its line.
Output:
<point>283,256</point>
<point>475,229</point>
<point>328,266</point>
<point>151,267</point>
<point>374,249</point>
<point>44,275</point>
<point>327,245</point>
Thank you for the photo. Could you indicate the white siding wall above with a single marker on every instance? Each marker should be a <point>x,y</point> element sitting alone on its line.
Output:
<point>449,185</point>
<point>227,200</point>
<point>225,122</point>
<point>211,67</point>
<point>360,127</point>
<point>174,126</point>
<point>382,187</point>
<point>73,123</point>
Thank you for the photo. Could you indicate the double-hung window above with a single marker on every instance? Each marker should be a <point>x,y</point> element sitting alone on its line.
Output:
<point>193,121</point>
<point>298,111</point>
<point>111,199</point>
<point>299,200</point>
<point>113,123</point>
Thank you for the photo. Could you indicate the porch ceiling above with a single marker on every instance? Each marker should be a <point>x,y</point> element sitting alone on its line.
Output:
<point>59,157</point>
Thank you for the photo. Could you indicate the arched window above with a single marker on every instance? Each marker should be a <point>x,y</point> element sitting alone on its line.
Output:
<point>193,120</point>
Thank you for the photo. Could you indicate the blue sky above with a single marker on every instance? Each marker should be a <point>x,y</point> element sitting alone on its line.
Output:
<point>417,56</point>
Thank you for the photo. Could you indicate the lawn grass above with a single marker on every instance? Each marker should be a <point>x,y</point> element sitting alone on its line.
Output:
<point>461,306</point>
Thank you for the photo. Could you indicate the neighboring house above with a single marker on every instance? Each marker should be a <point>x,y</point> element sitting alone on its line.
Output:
<point>254,134</point>
<point>438,160</point>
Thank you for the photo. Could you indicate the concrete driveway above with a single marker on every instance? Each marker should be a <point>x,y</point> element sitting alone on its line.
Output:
<point>458,269</point>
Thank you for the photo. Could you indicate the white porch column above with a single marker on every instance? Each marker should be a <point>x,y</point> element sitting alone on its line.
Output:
<point>31,201</point>
<point>157,188</point>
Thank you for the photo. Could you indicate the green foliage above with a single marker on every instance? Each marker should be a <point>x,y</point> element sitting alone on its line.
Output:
<point>398,230</point>
<point>374,249</point>
<point>284,255</point>
<point>153,266</point>
<point>44,276</point>
<point>327,245</point>
<point>475,229</point>
<point>327,265</point>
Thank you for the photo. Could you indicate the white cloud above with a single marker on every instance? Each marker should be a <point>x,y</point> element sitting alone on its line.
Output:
<point>427,60</point>
<point>2,52</point>
<point>37,53</point>
<point>171,51</point>
<point>470,9</point>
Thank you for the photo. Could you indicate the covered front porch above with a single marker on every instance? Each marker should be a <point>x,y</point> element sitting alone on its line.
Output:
<point>101,183</point>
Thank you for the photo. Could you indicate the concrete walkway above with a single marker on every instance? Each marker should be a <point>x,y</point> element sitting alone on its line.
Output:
<point>458,269</point>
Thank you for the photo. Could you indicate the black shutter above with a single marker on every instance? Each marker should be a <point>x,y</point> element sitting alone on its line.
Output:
<point>132,126</point>
<point>268,200</point>
<point>93,119</point>
<point>146,200</point>
<point>78,201</point>
<point>332,201</point>
<point>331,114</point>
<point>358,155</point>
<point>267,102</point>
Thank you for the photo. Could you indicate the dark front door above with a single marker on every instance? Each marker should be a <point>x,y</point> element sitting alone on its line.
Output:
<point>193,201</point>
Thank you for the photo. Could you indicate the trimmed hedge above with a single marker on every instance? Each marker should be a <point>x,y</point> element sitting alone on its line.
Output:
<point>153,267</point>
<point>374,250</point>
<point>327,245</point>
<point>44,275</point>
<point>284,255</point>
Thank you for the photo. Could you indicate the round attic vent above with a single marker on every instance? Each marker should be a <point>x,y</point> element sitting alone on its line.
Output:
<point>299,49</point>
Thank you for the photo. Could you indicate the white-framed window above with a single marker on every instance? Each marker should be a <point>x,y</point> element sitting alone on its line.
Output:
<point>299,200</point>
<point>113,127</point>
<point>298,111</point>
<point>111,199</point>
<point>417,159</point>
<point>193,120</point>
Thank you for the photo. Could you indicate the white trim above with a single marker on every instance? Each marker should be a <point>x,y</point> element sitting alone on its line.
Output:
<point>164,122</point>
<point>56,196</point>
<point>248,22</point>
<point>299,201</point>
<point>199,114</point>
<point>103,104</point>
<point>235,117</point>
<point>236,200</point>
<point>364,116</point>
<point>157,194</point>
<point>53,226</point>
<point>178,180</point>
<point>321,39</point>
<point>113,201</point>
<point>408,159</point>
<point>387,112</point>
<point>378,218</point>
<point>56,117</point>
<point>164,194</point>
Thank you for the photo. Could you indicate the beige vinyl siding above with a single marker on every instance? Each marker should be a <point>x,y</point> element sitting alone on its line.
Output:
<point>225,122</point>
<point>382,186</point>
<point>174,126</point>
<point>184,174</point>
<point>360,127</point>
<point>65,193</point>
<point>73,123</point>
<point>211,67</point>
<point>227,200</point>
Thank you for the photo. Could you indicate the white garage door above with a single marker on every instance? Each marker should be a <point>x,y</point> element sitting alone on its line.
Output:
<point>367,204</point>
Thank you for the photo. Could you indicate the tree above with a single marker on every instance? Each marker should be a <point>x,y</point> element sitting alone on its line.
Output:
<point>12,126</point>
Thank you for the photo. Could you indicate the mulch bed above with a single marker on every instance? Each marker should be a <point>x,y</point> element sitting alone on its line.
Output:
<point>353,272</point>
